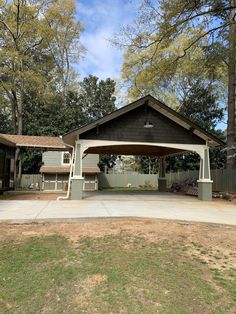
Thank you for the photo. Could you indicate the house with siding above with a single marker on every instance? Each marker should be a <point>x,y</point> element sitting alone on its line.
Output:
<point>56,169</point>
<point>9,143</point>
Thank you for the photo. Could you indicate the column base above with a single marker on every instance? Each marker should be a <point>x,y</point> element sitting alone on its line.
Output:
<point>205,190</point>
<point>77,187</point>
<point>162,184</point>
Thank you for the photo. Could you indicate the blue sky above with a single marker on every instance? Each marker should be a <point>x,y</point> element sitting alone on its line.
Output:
<point>102,19</point>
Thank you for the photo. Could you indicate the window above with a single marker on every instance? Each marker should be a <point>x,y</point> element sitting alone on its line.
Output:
<point>66,158</point>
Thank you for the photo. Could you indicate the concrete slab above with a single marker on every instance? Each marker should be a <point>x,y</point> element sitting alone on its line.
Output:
<point>21,209</point>
<point>73,209</point>
<point>107,205</point>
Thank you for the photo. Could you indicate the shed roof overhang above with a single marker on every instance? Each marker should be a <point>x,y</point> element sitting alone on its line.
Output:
<point>66,170</point>
<point>158,106</point>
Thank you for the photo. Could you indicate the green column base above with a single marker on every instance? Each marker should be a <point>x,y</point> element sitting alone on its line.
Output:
<point>162,183</point>
<point>77,188</point>
<point>205,190</point>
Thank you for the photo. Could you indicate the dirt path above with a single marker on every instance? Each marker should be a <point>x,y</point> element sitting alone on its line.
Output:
<point>32,196</point>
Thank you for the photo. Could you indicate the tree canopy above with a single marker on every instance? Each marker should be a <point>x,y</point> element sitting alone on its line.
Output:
<point>174,43</point>
<point>92,100</point>
<point>201,105</point>
<point>38,39</point>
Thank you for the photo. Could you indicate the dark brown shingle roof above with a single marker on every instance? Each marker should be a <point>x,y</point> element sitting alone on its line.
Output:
<point>45,169</point>
<point>90,170</point>
<point>32,141</point>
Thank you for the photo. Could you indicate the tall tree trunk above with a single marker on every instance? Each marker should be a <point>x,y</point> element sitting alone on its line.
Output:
<point>231,149</point>
<point>16,167</point>
<point>13,100</point>
<point>20,114</point>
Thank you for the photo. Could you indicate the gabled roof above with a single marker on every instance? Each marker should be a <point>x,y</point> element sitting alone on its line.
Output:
<point>28,141</point>
<point>159,106</point>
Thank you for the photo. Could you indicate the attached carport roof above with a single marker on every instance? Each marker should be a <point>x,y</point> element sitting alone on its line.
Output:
<point>33,142</point>
<point>72,136</point>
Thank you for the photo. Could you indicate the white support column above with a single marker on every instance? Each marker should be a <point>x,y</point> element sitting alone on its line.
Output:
<point>77,179</point>
<point>78,160</point>
<point>43,182</point>
<point>162,175</point>
<point>205,182</point>
<point>56,182</point>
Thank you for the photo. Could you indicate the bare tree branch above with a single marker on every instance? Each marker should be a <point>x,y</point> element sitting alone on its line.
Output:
<point>199,38</point>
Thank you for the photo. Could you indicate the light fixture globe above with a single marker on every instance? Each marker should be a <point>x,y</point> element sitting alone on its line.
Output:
<point>148,125</point>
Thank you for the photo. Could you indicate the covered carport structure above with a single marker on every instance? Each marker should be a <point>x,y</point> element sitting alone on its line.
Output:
<point>144,127</point>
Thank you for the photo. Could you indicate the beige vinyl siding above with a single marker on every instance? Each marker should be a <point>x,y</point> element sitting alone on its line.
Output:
<point>53,181</point>
<point>90,160</point>
<point>52,159</point>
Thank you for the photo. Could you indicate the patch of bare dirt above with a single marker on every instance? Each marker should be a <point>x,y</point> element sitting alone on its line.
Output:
<point>33,196</point>
<point>86,288</point>
<point>213,244</point>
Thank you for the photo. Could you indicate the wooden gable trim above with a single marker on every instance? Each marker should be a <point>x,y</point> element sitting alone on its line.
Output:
<point>183,121</point>
<point>156,105</point>
<point>111,116</point>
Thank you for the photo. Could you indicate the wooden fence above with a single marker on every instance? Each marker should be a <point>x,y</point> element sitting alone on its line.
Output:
<point>31,182</point>
<point>113,180</point>
<point>223,179</point>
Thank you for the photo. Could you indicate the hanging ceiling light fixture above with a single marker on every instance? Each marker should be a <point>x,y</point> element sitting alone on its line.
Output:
<point>147,124</point>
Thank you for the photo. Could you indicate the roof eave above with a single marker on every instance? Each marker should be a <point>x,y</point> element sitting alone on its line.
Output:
<point>74,133</point>
<point>7,142</point>
<point>195,128</point>
<point>42,147</point>
<point>71,136</point>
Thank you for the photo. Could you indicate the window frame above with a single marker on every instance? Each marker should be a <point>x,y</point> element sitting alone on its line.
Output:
<point>62,158</point>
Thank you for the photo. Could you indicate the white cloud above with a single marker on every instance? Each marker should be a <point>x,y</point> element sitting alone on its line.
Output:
<point>85,10</point>
<point>101,59</point>
<point>102,20</point>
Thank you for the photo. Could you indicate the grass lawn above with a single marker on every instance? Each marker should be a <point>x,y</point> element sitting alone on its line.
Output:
<point>65,270</point>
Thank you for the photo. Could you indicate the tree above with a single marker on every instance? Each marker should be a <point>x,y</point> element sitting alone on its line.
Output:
<point>158,73</point>
<point>5,116</point>
<point>106,161</point>
<point>148,164</point>
<point>169,34</point>
<point>63,40</point>
<point>93,100</point>
<point>29,55</point>
<point>20,36</point>
<point>201,105</point>
<point>96,97</point>
<point>32,49</point>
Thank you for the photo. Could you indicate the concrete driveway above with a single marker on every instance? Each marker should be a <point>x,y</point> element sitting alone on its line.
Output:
<point>115,204</point>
